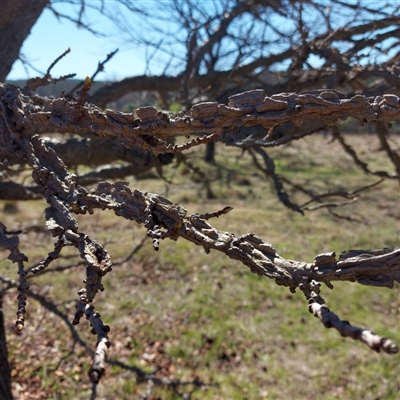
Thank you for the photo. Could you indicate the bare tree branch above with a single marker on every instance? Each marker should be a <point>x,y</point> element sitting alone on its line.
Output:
<point>245,109</point>
<point>34,83</point>
<point>227,47</point>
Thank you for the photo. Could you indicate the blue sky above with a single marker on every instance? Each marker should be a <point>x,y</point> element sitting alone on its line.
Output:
<point>50,37</point>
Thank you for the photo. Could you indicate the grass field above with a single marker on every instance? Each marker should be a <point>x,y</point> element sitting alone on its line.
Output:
<point>204,320</point>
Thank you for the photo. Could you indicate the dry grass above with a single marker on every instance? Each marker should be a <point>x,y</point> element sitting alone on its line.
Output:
<point>203,318</point>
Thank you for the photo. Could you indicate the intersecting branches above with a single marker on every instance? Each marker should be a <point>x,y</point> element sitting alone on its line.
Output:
<point>21,120</point>
<point>368,267</point>
<point>362,164</point>
<point>150,130</point>
<point>324,199</point>
<point>141,375</point>
<point>220,49</point>
<point>269,172</point>
<point>34,83</point>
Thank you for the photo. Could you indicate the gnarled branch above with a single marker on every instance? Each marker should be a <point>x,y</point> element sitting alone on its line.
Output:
<point>22,120</point>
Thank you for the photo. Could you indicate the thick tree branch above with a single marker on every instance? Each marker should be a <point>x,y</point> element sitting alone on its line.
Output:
<point>21,120</point>
<point>147,128</point>
<point>16,21</point>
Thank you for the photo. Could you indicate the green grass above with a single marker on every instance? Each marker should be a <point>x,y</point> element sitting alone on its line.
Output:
<point>194,316</point>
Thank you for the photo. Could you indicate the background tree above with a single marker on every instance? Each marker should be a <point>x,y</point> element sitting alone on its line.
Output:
<point>235,45</point>
<point>214,52</point>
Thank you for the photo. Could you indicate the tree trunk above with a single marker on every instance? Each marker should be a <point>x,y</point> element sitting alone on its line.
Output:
<point>5,373</point>
<point>16,20</point>
<point>209,156</point>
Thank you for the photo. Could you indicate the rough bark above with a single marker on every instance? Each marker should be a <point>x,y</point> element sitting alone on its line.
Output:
<point>149,129</point>
<point>17,18</point>
<point>21,119</point>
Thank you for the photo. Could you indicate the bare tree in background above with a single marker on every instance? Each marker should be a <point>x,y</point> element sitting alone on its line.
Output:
<point>212,50</point>
<point>302,61</point>
<point>223,47</point>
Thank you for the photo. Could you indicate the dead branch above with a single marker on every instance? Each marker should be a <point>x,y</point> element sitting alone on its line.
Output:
<point>146,128</point>
<point>34,83</point>
<point>382,132</point>
<point>269,172</point>
<point>352,196</point>
<point>196,55</point>
<point>21,120</point>
<point>99,329</point>
<point>361,164</point>
<point>142,376</point>
<point>320,310</point>
<point>100,68</point>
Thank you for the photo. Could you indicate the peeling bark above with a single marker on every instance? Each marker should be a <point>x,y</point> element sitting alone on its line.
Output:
<point>21,120</point>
